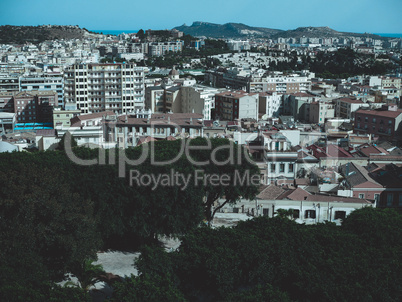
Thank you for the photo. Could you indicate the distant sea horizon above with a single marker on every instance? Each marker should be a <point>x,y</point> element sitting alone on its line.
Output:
<point>117,32</point>
<point>389,35</point>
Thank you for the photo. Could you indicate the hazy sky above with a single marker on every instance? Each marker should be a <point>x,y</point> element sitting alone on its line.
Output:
<point>374,16</point>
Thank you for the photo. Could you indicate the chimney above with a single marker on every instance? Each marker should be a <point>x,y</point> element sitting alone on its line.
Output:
<point>191,120</point>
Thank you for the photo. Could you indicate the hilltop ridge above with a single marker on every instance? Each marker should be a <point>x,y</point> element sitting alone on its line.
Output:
<point>36,34</point>
<point>239,30</point>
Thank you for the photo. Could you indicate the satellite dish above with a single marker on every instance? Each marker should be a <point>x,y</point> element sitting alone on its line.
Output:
<point>216,123</point>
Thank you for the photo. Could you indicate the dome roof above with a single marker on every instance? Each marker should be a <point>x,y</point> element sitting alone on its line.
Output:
<point>173,71</point>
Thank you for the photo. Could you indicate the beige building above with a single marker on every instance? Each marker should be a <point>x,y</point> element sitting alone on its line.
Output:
<point>320,112</point>
<point>63,117</point>
<point>346,107</point>
<point>175,99</point>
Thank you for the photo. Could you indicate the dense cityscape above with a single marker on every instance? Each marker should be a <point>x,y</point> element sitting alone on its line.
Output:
<point>200,163</point>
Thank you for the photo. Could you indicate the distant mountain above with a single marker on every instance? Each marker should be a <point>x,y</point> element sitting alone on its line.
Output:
<point>238,30</point>
<point>35,34</point>
<point>320,32</point>
<point>228,30</point>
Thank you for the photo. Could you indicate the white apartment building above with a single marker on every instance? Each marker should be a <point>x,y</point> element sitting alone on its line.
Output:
<point>385,82</point>
<point>280,84</point>
<point>7,121</point>
<point>346,107</point>
<point>41,83</point>
<point>99,87</point>
<point>320,112</point>
<point>238,45</point>
<point>270,104</point>
<point>160,48</point>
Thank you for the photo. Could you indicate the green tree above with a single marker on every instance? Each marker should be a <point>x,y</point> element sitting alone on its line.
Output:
<point>61,145</point>
<point>141,35</point>
<point>280,260</point>
<point>42,219</point>
<point>88,274</point>
<point>228,160</point>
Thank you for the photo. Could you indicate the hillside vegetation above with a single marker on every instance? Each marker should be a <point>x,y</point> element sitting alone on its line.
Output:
<point>35,34</point>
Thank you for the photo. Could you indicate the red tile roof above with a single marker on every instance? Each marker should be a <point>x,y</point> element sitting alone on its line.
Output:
<point>46,132</point>
<point>235,94</point>
<point>351,101</point>
<point>383,113</point>
<point>270,193</point>
<point>336,151</point>
<point>373,150</point>
<point>296,194</point>
<point>326,198</point>
<point>302,95</point>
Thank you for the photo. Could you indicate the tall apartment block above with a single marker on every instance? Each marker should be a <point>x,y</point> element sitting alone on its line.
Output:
<point>95,88</point>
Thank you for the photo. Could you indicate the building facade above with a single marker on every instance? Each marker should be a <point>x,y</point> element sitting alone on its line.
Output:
<point>35,106</point>
<point>320,112</point>
<point>44,84</point>
<point>384,122</point>
<point>236,105</point>
<point>270,104</point>
<point>346,107</point>
<point>94,88</point>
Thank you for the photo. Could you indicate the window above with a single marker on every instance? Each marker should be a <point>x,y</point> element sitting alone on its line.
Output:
<point>309,214</point>
<point>374,120</point>
<point>340,214</point>
<point>296,214</point>
<point>390,199</point>
<point>361,195</point>
<point>273,168</point>
<point>265,212</point>
<point>282,168</point>
<point>290,167</point>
